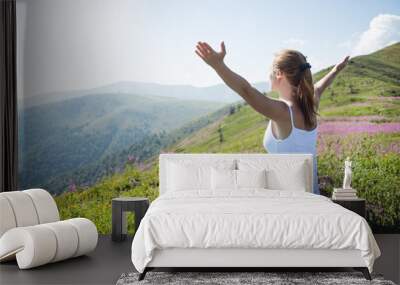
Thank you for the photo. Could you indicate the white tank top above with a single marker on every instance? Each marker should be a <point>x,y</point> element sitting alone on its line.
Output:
<point>298,141</point>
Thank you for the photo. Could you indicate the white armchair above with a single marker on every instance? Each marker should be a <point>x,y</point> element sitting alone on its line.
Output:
<point>31,231</point>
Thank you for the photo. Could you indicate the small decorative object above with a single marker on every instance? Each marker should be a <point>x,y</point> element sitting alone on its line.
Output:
<point>347,192</point>
<point>347,174</point>
<point>344,194</point>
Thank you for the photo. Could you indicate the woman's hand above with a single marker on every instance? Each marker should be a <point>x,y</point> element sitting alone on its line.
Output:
<point>338,67</point>
<point>210,56</point>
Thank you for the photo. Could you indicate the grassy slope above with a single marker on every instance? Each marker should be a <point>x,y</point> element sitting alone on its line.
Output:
<point>368,80</point>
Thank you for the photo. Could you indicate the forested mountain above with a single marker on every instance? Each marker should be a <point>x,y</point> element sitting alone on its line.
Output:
<point>61,138</point>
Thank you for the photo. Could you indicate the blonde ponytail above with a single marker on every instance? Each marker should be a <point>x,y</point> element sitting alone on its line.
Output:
<point>305,99</point>
<point>297,70</point>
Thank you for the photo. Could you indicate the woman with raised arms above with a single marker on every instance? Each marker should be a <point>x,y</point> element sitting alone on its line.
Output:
<point>292,126</point>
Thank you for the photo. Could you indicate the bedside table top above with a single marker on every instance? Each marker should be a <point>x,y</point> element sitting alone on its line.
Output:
<point>130,199</point>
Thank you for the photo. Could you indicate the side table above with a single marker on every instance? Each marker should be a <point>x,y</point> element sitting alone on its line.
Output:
<point>120,206</point>
<point>357,205</point>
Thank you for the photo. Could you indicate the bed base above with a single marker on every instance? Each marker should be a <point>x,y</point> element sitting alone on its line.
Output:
<point>364,270</point>
<point>244,259</point>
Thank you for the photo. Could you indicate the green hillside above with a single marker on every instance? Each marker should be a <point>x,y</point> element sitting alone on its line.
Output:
<point>365,87</point>
<point>369,86</point>
<point>148,146</point>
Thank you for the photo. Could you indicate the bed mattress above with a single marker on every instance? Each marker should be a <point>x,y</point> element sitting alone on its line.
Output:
<point>250,218</point>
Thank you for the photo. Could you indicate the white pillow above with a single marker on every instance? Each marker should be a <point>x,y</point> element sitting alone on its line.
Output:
<point>189,174</point>
<point>296,181</point>
<point>281,174</point>
<point>187,177</point>
<point>230,179</point>
<point>223,179</point>
<point>251,178</point>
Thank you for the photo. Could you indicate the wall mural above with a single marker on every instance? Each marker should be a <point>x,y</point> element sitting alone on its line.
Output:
<point>105,87</point>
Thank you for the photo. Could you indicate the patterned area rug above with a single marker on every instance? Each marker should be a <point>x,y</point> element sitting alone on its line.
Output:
<point>286,278</point>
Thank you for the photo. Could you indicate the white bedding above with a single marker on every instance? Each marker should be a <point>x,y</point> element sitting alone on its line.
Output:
<point>250,218</point>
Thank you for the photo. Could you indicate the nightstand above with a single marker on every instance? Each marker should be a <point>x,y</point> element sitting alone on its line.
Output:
<point>357,205</point>
<point>120,206</point>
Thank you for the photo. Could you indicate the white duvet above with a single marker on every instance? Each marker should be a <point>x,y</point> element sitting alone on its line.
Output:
<point>251,218</point>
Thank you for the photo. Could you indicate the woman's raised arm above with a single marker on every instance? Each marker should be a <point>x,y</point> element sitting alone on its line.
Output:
<point>325,81</point>
<point>271,108</point>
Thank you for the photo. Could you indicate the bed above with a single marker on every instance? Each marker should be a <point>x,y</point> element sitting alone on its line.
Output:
<point>247,210</point>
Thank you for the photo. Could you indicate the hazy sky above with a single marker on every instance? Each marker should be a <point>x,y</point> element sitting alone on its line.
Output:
<point>75,44</point>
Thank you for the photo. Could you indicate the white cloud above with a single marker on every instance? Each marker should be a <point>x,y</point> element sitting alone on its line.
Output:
<point>383,30</point>
<point>350,43</point>
<point>294,43</point>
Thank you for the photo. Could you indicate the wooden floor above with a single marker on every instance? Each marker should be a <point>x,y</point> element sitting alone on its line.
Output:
<point>110,259</point>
